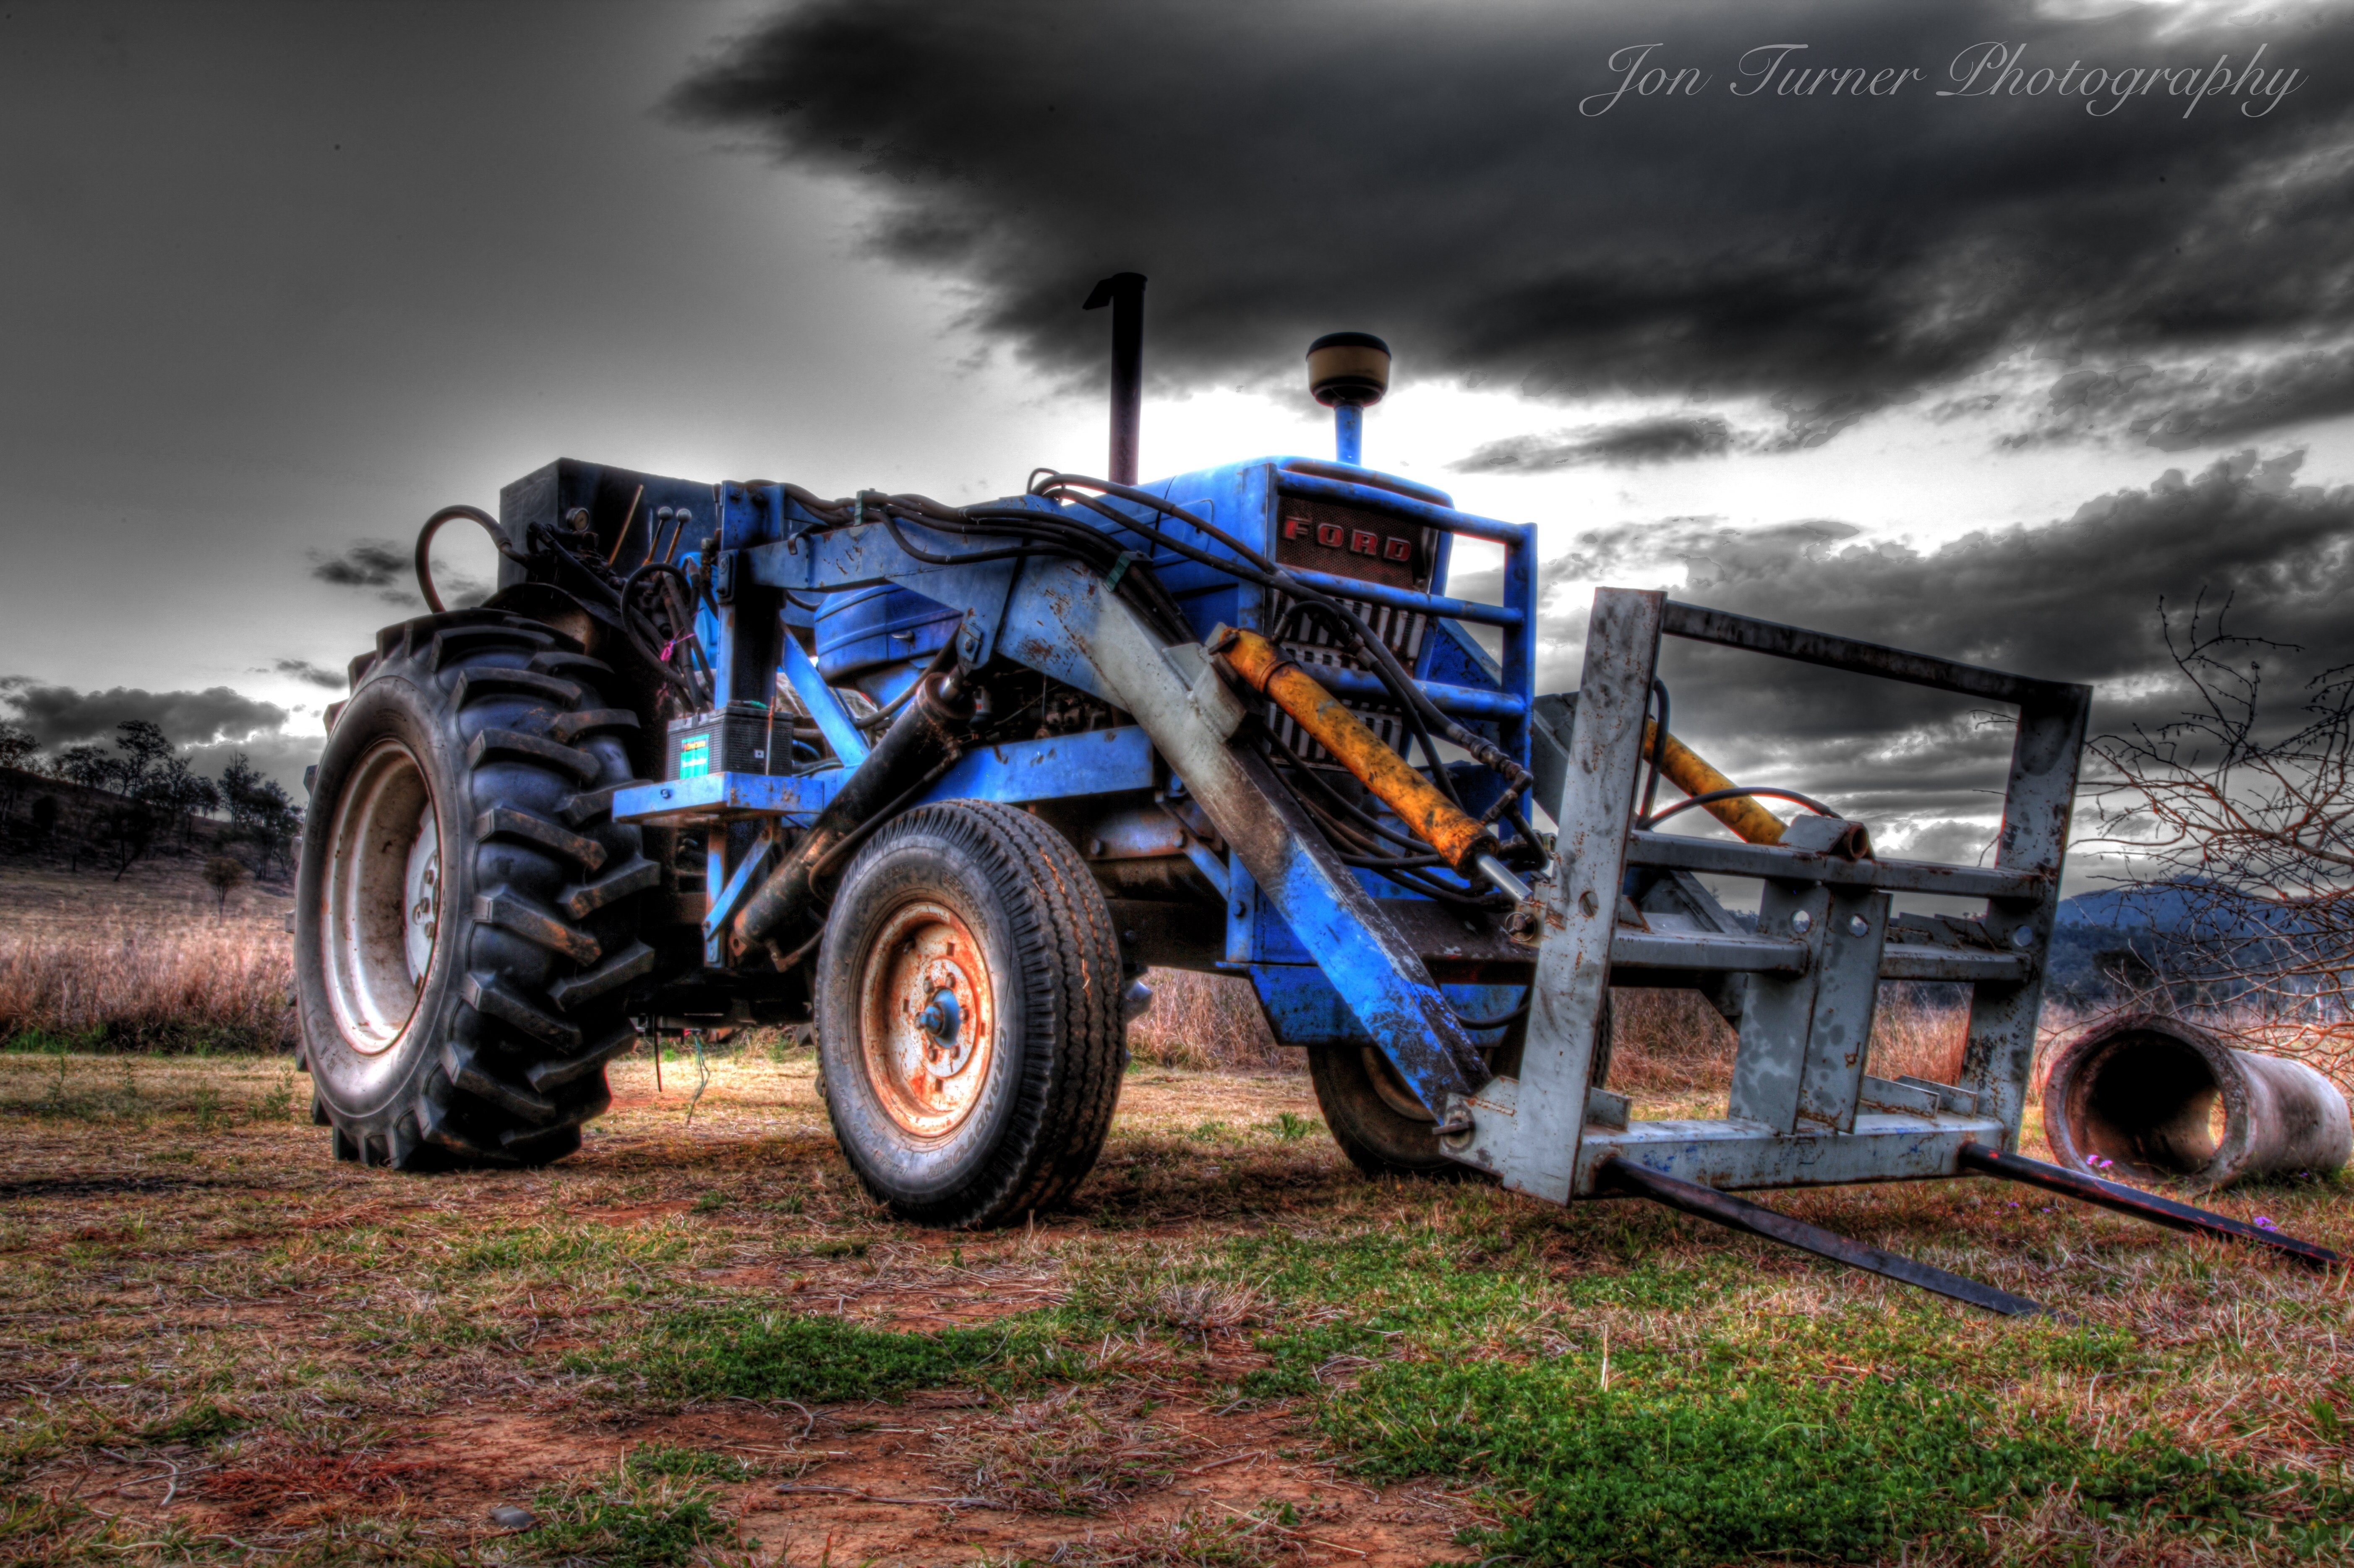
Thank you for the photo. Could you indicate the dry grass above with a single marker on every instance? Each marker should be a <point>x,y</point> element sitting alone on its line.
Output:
<point>1067,1453</point>
<point>1672,1042</point>
<point>372,1361</point>
<point>1199,1020</point>
<point>180,987</point>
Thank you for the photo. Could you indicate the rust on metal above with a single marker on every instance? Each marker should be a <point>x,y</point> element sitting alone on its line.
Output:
<point>1690,772</point>
<point>926,1018</point>
<point>1432,817</point>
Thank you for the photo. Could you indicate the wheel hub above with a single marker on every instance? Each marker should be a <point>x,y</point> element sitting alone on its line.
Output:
<point>927,1014</point>
<point>382,897</point>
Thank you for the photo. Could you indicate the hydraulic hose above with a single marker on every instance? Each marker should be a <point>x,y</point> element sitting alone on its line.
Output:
<point>1692,773</point>
<point>1466,846</point>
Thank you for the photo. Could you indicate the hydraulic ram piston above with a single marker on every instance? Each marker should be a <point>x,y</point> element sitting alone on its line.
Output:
<point>1468,849</point>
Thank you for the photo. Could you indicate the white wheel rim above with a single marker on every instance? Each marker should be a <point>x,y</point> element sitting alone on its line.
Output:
<point>383,898</point>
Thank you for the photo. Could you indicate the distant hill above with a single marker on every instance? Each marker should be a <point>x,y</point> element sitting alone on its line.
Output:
<point>2096,933</point>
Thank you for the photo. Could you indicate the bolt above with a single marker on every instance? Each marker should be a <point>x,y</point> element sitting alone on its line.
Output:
<point>1857,925</point>
<point>2023,938</point>
<point>1801,923</point>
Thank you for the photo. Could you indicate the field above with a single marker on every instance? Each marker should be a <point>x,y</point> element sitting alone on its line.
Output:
<point>698,1343</point>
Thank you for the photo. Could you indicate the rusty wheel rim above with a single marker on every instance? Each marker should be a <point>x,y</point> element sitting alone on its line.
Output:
<point>928,1019</point>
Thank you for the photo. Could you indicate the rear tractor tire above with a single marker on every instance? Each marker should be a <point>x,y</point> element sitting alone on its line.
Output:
<point>467,909</point>
<point>970,1032</point>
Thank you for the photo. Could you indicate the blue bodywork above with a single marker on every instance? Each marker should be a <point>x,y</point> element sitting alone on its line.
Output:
<point>874,616</point>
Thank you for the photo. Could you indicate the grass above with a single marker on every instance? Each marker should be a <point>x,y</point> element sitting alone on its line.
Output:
<point>734,1353</point>
<point>1066,1454</point>
<point>1232,1351</point>
<point>1735,1449</point>
<point>1200,1021</point>
<point>646,1512</point>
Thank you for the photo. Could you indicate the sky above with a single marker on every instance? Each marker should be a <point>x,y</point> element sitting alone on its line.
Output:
<point>1981,327</point>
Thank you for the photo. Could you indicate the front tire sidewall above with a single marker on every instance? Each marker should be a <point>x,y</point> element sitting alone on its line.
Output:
<point>918,1174</point>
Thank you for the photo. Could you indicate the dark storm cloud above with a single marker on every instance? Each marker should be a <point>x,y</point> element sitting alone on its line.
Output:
<point>369,564</point>
<point>2076,599</point>
<point>391,570</point>
<point>2178,406</point>
<point>312,674</point>
<point>60,716</point>
<point>1669,437</point>
<point>1427,174</point>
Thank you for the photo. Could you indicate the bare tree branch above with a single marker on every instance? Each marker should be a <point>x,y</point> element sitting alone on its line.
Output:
<point>2237,818</point>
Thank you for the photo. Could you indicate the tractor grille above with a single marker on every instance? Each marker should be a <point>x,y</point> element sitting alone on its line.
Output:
<point>1344,543</point>
<point>1402,630</point>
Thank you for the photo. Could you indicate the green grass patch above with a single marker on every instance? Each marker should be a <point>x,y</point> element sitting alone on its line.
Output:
<point>201,1421</point>
<point>685,1464</point>
<point>735,1353</point>
<point>1701,1459</point>
<point>625,1519</point>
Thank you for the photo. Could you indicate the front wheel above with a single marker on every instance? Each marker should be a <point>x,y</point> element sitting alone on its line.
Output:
<point>970,1022</point>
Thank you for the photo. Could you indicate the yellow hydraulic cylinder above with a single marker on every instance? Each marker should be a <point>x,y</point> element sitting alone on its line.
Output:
<point>1689,771</point>
<point>1434,819</point>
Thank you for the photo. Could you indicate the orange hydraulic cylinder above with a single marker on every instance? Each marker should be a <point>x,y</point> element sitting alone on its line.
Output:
<point>1689,772</point>
<point>1433,818</point>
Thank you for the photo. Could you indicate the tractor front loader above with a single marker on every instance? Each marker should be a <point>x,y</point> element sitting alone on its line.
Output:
<point>944,782</point>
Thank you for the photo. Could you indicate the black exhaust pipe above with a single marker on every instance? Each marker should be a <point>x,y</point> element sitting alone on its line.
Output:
<point>1124,292</point>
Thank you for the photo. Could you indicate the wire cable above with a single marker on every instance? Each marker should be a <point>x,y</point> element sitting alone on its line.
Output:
<point>1816,807</point>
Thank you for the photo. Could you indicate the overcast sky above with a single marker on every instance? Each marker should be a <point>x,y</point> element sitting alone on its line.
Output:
<point>1970,363</point>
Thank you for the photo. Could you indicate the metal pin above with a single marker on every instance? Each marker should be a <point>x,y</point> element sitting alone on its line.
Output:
<point>1501,876</point>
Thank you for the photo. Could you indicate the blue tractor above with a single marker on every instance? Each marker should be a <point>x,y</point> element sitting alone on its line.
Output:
<point>944,782</point>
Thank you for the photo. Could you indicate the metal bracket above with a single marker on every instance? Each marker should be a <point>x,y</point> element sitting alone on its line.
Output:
<point>825,705</point>
<point>1376,969</point>
<point>1534,1150</point>
<point>723,908</point>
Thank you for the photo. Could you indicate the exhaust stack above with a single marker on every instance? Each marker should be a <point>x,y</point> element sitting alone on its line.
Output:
<point>1124,292</point>
<point>1348,371</point>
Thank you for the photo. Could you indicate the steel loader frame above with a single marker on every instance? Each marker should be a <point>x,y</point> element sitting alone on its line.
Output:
<point>1805,1109</point>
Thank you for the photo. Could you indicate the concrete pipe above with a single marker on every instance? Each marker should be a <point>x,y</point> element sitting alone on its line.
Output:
<point>2158,1098</point>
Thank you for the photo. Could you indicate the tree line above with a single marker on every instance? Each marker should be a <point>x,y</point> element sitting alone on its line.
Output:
<point>141,793</point>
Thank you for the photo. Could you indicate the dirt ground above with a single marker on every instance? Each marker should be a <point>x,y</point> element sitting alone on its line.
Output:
<point>215,1239</point>
<point>217,1344</point>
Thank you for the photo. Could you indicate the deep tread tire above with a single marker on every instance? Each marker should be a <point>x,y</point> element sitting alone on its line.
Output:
<point>1050,1079</point>
<point>524,997</point>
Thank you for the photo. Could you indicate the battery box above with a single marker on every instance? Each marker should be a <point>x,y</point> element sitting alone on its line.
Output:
<point>733,739</point>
